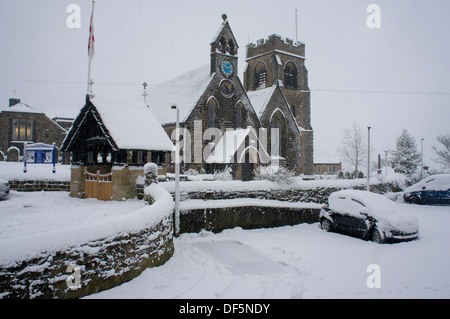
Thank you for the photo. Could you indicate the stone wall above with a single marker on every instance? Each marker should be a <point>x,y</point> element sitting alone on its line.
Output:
<point>39,185</point>
<point>317,195</point>
<point>247,217</point>
<point>103,264</point>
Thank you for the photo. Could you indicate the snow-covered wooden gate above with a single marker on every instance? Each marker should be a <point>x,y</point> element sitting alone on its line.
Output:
<point>97,185</point>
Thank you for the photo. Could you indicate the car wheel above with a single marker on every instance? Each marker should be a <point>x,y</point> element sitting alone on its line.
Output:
<point>326,225</point>
<point>377,236</point>
<point>414,200</point>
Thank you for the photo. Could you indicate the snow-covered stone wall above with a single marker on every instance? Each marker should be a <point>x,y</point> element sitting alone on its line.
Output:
<point>84,260</point>
<point>308,191</point>
<point>218,215</point>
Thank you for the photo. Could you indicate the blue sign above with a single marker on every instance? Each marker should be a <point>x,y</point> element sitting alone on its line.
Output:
<point>39,153</point>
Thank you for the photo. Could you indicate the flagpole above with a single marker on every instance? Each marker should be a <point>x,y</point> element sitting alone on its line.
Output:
<point>91,34</point>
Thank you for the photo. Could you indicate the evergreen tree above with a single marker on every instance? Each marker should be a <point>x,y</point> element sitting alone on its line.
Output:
<point>405,158</point>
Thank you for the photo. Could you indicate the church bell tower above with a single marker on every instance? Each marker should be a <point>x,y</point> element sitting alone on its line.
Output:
<point>224,51</point>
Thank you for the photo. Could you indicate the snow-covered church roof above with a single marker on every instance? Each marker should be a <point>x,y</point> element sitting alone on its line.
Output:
<point>260,99</point>
<point>183,91</point>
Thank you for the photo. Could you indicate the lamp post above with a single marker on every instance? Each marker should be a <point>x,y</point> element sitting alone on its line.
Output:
<point>177,173</point>
<point>368,158</point>
<point>421,159</point>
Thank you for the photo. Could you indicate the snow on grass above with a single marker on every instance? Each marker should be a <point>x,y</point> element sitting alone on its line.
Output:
<point>32,223</point>
<point>14,171</point>
<point>296,183</point>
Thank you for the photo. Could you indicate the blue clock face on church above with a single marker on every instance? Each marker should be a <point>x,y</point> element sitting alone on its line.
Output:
<point>227,68</point>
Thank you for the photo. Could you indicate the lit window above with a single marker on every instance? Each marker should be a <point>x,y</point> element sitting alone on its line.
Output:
<point>22,130</point>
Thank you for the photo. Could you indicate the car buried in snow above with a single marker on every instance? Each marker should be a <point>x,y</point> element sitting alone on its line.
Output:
<point>434,189</point>
<point>4,188</point>
<point>368,216</point>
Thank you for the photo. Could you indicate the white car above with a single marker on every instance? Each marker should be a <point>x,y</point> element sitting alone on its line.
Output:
<point>4,188</point>
<point>368,216</point>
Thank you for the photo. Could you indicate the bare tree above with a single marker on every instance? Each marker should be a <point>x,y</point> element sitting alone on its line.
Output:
<point>443,155</point>
<point>353,149</point>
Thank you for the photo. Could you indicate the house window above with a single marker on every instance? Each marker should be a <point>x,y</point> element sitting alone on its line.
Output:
<point>260,75</point>
<point>290,75</point>
<point>319,169</point>
<point>22,130</point>
<point>332,169</point>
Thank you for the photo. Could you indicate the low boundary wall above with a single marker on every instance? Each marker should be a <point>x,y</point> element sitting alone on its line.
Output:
<point>93,265</point>
<point>39,185</point>
<point>217,219</point>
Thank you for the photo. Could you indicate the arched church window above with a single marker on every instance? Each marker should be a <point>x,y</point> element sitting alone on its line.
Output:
<point>278,123</point>
<point>231,47</point>
<point>240,118</point>
<point>222,45</point>
<point>260,75</point>
<point>212,106</point>
<point>290,75</point>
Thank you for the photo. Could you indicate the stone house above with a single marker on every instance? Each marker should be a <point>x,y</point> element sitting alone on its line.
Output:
<point>327,168</point>
<point>22,124</point>
<point>227,123</point>
<point>111,141</point>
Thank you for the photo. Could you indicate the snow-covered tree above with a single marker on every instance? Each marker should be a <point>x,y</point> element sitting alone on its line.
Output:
<point>405,158</point>
<point>353,149</point>
<point>443,154</point>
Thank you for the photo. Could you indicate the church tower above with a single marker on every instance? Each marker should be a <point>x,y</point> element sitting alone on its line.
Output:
<point>278,61</point>
<point>277,64</point>
<point>224,51</point>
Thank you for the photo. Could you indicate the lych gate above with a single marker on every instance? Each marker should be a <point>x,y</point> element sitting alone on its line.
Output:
<point>111,142</point>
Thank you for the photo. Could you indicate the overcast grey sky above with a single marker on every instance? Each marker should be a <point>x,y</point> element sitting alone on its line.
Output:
<point>389,78</point>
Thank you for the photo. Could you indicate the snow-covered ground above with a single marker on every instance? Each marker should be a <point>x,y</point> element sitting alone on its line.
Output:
<point>301,261</point>
<point>14,171</point>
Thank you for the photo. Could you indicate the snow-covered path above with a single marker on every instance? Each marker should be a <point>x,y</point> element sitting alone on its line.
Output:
<point>300,262</point>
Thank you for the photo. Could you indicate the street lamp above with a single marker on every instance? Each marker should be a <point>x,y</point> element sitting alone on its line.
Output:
<point>368,157</point>
<point>177,173</point>
<point>421,159</point>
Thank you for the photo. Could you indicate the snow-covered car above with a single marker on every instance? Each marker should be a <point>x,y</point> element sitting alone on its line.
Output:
<point>4,188</point>
<point>368,216</point>
<point>434,189</point>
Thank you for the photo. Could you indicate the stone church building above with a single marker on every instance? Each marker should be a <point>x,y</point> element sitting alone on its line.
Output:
<point>227,123</point>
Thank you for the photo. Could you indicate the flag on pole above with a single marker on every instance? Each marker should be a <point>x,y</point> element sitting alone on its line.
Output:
<point>91,49</point>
